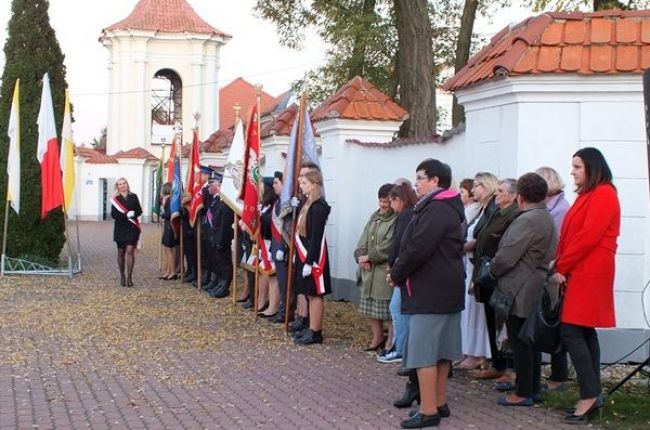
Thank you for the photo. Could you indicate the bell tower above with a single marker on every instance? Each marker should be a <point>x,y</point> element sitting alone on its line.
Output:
<point>163,68</point>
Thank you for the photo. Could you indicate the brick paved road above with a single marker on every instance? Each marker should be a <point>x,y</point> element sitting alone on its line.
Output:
<point>87,354</point>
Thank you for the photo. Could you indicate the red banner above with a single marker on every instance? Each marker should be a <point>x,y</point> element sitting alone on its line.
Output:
<point>194,183</point>
<point>250,193</point>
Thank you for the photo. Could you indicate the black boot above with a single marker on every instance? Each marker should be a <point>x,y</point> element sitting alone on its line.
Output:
<point>214,282</point>
<point>189,277</point>
<point>249,304</point>
<point>299,324</point>
<point>279,318</point>
<point>222,290</point>
<point>310,337</point>
<point>411,393</point>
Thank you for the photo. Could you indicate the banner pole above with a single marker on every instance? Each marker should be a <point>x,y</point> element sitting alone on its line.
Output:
<point>292,249</point>
<point>4,235</point>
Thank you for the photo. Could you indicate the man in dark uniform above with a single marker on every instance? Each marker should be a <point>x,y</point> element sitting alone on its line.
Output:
<point>206,274</point>
<point>189,242</point>
<point>280,250</point>
<point>219,219</point>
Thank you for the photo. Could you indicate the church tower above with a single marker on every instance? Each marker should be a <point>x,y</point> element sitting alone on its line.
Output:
<point>163,68</point>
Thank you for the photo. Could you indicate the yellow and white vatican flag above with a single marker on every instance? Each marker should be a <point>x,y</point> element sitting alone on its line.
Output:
<point>13,158</point>
<point>67,156</point>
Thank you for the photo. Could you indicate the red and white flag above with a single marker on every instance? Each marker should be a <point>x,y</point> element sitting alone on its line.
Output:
<point>47,153</point>
<point>193,182</point>
<point>250,193</point>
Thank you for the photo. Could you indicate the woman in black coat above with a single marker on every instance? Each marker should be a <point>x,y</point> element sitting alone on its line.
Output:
<point>125,211</point>
<point>312,273</point>
<point>169,239</point>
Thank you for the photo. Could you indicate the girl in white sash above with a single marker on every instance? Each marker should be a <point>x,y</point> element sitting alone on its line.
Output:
<point>312,267</point>
<point>125,211</point>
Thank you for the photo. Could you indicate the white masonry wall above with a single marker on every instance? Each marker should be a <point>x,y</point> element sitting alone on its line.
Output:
<point>518,124</point>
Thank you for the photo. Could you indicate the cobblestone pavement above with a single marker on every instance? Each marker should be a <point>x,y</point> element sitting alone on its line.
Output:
<point>84,353</point>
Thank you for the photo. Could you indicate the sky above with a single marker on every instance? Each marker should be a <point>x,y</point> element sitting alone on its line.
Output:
<point>253,53</point>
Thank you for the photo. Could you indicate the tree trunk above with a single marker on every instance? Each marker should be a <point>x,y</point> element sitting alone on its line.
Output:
<point>462,52</point>
<point>358,62</point>
<point>417,86</point>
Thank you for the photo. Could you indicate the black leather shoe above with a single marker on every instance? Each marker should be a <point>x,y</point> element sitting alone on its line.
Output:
<point>248,304</point>
<point>189,277</point>
<point>443,411</point>
<point>299,324</point>
<point>300,333</point>
<point>411,394</point>
<point>581,419</point>
<point>310,337</point>
<point>244,300</point>
<point>279,318</point>
<point>222,291</point>
<point>210,285</point>
<point>419,420</point>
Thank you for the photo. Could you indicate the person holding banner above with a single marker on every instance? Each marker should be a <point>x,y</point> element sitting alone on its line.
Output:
<point>280,250</point>
<point>169,239</point>
<point>312,265</point>
<point>125,211</point>
<point>219,218</point>
<point>268,278</point>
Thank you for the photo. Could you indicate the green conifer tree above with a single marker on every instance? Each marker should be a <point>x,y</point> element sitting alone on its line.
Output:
<point>31,50</point>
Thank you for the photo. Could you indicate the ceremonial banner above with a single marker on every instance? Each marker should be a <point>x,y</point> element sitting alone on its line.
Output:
<point>233,173</point>
<point>250,193</point>
<point>171,162</point>
<point>194,183</point>
<point>48,153</point>
<point>13,158</point>
<point>176,194</point>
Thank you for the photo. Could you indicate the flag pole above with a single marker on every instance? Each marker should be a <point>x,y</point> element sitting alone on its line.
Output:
<point>67,238</point>
<point>4,233</point>
<point>235,227</point>
<point>259,226</point>
<point>198,227</point>
<point>157,196</point>
<point>294,193</point>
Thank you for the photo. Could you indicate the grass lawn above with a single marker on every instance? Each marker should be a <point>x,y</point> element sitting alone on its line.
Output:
<point>627,409</point>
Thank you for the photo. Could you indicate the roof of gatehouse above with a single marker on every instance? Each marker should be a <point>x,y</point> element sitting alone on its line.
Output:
<point>606,42</point>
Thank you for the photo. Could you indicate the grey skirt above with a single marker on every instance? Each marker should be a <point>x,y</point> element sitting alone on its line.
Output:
<point>432,338</point>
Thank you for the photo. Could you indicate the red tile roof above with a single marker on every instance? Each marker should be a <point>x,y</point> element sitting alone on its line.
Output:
<point>218,141</point>
<point>243,93</point>
<point>136,153</point>
<point>281,124</point>
<point>608,42</point>
<point>94,156</point>
<point>167,16</point>
<point>359,100</point>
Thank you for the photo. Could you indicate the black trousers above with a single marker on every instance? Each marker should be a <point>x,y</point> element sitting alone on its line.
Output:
<point>222,264</point>
<point>189,249</point>
<point>499,361</point>
<point>559,367</point>
<point>282,270</point>
<point>528,362</point>
<point>582,345</point>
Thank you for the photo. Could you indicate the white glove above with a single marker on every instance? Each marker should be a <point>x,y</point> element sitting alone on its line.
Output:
<point>294,202</point>
<point>279,255</point>
<point>130,214</point>
<point>306,270</point>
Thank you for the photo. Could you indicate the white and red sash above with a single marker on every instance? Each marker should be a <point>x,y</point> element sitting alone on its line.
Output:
<point>123,209</point>
<point>267,267</point>
<point>317,268</point>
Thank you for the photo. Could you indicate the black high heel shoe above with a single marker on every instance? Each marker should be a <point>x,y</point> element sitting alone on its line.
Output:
<point>129,283</point>
<point>581,419</point>
<point>245,299</point>
<point>411,394</point>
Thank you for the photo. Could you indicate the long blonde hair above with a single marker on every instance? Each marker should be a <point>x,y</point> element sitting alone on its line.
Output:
<point>490,185</point>
<point>315,177</point>
<point>128,187</point>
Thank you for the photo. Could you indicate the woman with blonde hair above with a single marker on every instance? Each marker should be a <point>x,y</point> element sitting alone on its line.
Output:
<point>476,345</point>
<point>312,264</point>
<point>125,211</point>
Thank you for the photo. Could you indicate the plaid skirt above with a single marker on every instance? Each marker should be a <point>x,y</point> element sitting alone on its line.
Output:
<point>375,309</point>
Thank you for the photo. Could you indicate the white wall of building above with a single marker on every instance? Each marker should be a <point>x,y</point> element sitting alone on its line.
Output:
<point>519,124</point>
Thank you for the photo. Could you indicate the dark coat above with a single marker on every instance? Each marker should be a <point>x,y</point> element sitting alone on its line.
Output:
<point>430,262</point>
<point>587,257</point>
<point>488,239</point>
<point>316,220</point>
<point>522,261</point>
<point>279,244</point>
<point>125,231</point>
<point>402,221</point>
<point>220,230</point>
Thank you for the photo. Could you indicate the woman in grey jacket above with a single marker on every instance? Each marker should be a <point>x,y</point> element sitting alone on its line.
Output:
<point>520,265</point>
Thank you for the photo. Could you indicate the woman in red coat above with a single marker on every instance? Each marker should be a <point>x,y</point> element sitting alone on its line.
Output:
<point>585,265</point>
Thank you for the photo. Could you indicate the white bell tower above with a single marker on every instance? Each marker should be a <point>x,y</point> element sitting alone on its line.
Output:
<point>163,68</point>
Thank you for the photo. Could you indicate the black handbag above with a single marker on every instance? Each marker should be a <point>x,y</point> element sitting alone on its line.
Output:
<point>501,303</point>
<point>542,328</point>
<point>485,283</point>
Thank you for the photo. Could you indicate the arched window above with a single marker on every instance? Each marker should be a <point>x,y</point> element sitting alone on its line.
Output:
<point>166,106</point>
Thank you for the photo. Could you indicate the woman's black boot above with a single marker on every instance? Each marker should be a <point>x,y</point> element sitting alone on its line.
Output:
<point>412,393</point>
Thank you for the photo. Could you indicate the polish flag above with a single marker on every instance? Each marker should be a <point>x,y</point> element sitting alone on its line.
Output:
<point>48,153</point>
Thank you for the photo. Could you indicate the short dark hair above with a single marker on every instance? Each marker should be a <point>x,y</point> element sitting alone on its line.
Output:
<point>309,165</point>
<point>384,191</point>
<point>467,184</point>
<point>436,168</point>
<point>532,188</point>
<point>596,168</point>
<point>277,174</point>
<point>405,193</point>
